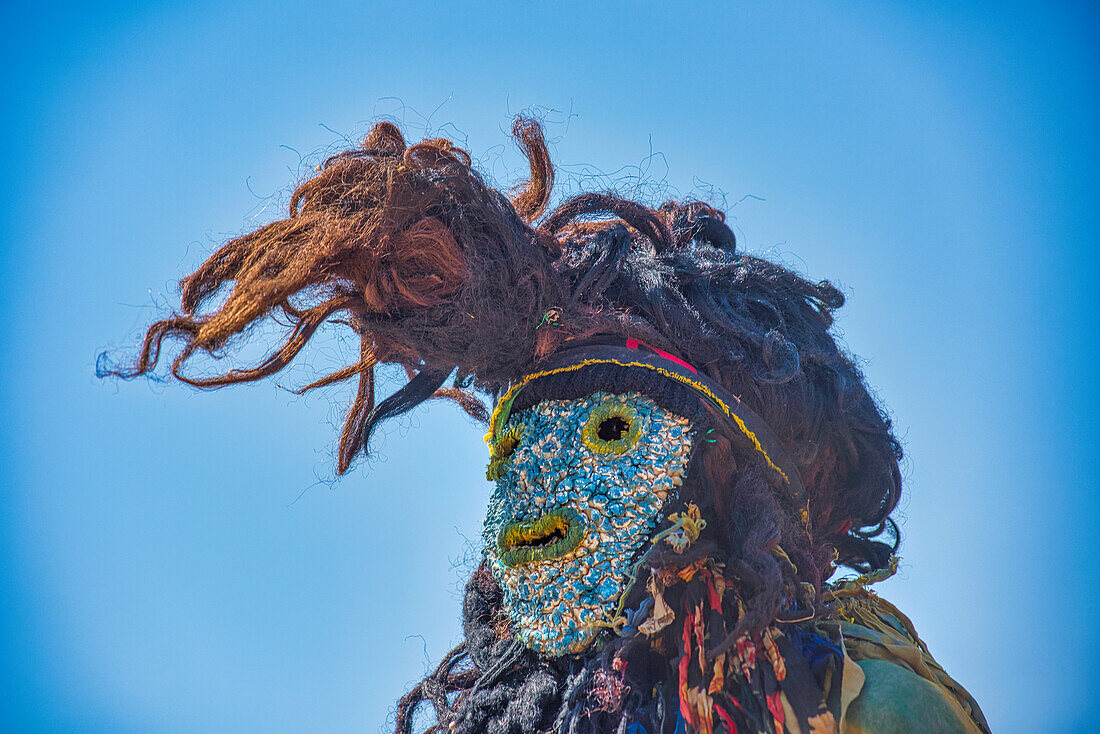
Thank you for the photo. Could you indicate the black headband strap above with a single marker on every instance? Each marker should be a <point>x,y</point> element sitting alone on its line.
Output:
<point>633,354</point>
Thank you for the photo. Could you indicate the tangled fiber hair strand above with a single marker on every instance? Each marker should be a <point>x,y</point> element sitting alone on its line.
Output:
<point>436,271</point>
<point>390,238</point>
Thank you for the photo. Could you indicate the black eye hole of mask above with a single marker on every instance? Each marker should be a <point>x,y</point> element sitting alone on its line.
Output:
<point>613,428</point>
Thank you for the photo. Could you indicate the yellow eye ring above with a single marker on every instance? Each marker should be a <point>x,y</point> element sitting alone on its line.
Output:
<point>613,428</point>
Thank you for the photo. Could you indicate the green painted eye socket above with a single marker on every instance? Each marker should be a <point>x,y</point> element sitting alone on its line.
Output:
<point>612,429</point>
<point>502,450</point>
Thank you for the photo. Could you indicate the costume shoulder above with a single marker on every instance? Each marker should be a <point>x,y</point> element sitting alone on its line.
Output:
<point>904,688</point>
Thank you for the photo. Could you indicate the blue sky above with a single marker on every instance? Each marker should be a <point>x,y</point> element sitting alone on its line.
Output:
<point>176,561</point>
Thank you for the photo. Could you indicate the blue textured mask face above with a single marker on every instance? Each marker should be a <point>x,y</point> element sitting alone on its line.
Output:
<point>580,484</point>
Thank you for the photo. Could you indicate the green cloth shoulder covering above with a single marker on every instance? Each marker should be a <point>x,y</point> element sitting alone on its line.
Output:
<point>904,690</point>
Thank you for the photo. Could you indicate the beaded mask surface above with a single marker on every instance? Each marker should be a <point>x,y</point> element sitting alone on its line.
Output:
<point>579,487</point>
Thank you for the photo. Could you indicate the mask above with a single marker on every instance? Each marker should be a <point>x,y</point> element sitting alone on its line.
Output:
<point>579,488</point>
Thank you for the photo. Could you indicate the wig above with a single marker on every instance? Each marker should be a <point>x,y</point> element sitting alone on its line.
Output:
<point>470,290</point>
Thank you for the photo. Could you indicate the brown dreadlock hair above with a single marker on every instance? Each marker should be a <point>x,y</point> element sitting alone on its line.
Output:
<point>440,273</point>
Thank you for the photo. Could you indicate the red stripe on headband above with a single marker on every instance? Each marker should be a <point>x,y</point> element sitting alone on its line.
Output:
<point>635,344</point>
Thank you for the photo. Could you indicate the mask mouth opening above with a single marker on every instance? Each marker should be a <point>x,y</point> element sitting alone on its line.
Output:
<point>546,538</point>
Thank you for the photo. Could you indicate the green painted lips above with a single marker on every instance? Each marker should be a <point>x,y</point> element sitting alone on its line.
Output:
<point>544,539</point>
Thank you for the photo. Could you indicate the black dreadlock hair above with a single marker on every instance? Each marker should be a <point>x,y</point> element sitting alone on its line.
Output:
<point>435,270</point>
